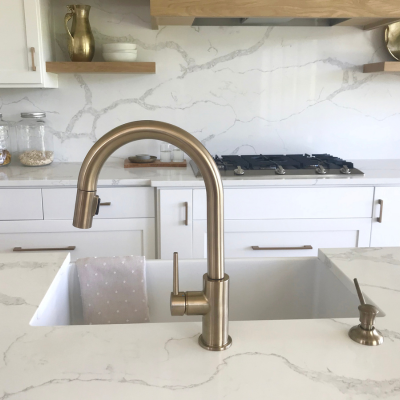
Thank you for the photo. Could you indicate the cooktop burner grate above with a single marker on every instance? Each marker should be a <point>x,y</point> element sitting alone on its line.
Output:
<point>282,165</point>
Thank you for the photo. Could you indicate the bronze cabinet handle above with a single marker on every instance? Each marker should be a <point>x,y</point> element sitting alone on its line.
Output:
<point>46,249</point>
<point>186,213</point>
<point>33,58</point>
<point>379,219</point>
<point>306,247</point>
<point>106,204</point>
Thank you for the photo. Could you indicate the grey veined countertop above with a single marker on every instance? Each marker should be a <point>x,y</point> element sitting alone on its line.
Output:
<point>301,359</point>
<point>377,172</point>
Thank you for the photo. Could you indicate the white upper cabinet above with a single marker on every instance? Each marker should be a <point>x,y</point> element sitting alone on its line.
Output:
<point>25,44</point>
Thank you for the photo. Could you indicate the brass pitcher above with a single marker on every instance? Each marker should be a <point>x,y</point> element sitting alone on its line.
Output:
<point>80,37</point>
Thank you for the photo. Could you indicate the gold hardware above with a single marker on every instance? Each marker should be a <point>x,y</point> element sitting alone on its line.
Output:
<point>106,204</point>
<point>379,219</point>
<point>190,303</point>
<point>176,274</point>
<point>365,333</point>
<point>178,299</point>
<point>46,249</point>
<point>214,302</point>
<point>186,213</point>
<point>306,247</point>
<point>359,292</point>
<point>33,58</point>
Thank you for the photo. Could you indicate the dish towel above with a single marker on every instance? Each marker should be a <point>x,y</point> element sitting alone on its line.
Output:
<point>113,290</point>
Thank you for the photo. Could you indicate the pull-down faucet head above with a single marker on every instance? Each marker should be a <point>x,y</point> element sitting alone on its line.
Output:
<point>87,200</point>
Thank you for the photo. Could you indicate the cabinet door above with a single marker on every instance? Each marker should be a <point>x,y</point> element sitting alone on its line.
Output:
<point>284,238</point>
<point>175,223</point>
<point>386,217</point>
<point>19,32</point>
<point>105,239</point>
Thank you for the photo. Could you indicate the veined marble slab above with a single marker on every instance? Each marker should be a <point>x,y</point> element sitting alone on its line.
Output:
<point>239,90</point>
<point>377,172</point>
<point>302,359</point>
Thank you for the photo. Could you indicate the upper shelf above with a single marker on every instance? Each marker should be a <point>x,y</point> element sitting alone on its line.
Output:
<point>389,66</point>
<point>70,67</point>
<point>369,14</point>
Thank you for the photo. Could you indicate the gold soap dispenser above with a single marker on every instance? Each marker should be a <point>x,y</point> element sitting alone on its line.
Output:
<point>365,333</point>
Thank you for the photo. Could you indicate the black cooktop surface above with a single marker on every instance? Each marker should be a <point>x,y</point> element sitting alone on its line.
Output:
<point>282,165</point>
<point>289,161</point>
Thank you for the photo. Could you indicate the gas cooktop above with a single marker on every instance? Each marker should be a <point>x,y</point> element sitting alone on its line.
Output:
<point>282,165</point>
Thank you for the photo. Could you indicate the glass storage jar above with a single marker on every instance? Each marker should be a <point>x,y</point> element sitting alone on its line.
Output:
<point>5,144</point>
<point>35,142</point>
<point>177,155</point>
<point>165,152</point>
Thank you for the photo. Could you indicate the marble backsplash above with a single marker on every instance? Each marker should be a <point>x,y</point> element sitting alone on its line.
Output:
<point>240,90</point>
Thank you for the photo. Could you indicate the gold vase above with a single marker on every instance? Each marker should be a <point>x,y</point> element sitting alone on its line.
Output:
<point>80,37</point>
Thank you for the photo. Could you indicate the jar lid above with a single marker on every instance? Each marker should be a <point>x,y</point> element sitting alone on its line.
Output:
<point>33,115</point>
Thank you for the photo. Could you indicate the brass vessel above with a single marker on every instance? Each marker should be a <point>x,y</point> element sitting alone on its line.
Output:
<point>392,38</point>
<point>80,37</point>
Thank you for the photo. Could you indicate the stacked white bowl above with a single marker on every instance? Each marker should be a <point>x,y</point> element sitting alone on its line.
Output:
<point>125,52</point>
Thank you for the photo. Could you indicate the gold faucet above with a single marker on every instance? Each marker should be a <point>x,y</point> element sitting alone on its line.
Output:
<point>212,302</point>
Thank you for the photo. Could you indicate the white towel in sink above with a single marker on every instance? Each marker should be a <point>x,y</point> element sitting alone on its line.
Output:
<point>113,290</point>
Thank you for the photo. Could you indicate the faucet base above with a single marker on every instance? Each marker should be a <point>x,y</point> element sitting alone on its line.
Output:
<point>215,348</point>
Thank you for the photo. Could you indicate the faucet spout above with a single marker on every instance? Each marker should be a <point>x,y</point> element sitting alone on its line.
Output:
<point>212,302</point>
<point>87,200</point>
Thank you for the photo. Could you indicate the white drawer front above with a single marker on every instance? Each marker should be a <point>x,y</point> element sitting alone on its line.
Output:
<point>88,244</point>
<point>284,238</point>
<point>125,203</point>
<point>20,204</point>
<point>106,238</point>
<point>290,203</point>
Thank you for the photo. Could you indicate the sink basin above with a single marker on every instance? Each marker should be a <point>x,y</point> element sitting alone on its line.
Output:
<point>260,289</point>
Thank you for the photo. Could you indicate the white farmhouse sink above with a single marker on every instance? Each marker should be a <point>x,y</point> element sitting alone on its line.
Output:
<point>260,289</point>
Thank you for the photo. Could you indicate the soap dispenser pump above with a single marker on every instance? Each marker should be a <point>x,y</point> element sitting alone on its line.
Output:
<point>365,333</point>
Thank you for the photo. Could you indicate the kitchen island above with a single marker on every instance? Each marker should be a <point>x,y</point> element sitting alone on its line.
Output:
<point>302,359</point>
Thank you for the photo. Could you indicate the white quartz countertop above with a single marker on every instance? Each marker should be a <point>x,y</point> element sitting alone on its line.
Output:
<point>377,172</point>
<point>301,359</point>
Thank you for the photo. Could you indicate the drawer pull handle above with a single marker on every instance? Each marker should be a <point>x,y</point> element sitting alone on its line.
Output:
<point>46,249</point>
<point>33,58</point>
<point>379,219</point>
<point>106,204</point>
<point>307,247</point>
<point>186,213</point>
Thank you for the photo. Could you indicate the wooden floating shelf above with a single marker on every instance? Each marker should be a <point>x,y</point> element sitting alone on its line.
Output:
<point>155,164</point>
<point>70,67</point>
<point>389,66</point>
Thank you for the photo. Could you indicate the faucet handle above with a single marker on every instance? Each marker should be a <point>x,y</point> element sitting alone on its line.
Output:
<point>175,288</point>
<point>178,299</point>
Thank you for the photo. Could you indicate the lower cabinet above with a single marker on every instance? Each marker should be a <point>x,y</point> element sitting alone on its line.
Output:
<point>386,217</point>
<point>281,222</point>
<point>131,236</point>
<point>284,238</point>
<point>175,223</point>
